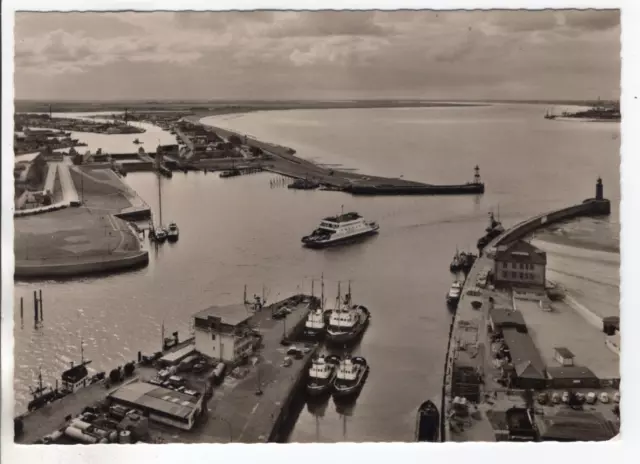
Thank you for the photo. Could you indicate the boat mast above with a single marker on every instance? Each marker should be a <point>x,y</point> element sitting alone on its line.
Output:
<point>339,299</point>
<point>159,197</point>
<point>349,294</point>
<point>322,290</point>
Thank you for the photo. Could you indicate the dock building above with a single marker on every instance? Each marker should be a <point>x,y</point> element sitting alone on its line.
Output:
<point>520,263</point>
<point>160,404</point>
<point>224,333</point>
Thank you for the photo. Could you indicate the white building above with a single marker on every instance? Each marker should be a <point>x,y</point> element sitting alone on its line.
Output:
<point>520,263</point>
<point>223,332</point>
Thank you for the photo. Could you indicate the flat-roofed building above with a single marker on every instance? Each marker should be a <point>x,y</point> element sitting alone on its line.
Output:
<point>223,332</point>
<point>160,404</point>
<point>572,377</point>
<point>503,318</point>
<point>520,263</point>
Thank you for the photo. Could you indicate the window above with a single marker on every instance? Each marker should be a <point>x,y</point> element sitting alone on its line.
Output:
<point>514,275</point>
<point>504,265</point>
<point>505,274</point>
<point>213,336</point>
<point>521,266</point>
<point>522,276</point>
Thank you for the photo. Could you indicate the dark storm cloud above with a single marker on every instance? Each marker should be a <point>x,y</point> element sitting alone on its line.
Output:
<point>423,54</point>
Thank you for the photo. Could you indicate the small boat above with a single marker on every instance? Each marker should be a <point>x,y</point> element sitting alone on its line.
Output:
<point>230,173</point>
<point>428,422</point>
<point>350,378</point>
<point>347,322</point>
<point>494,229</point>
<point>455,263</point>
<point>341,229</point>
<point>173,233</point>
<point>453,297</point>
<point>322,374</point>
<point>160,234</point>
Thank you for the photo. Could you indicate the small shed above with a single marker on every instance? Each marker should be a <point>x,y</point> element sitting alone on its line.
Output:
<point>572,377</point>
<point>563,356</point>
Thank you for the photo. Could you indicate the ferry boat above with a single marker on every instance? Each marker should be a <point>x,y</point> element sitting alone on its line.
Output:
<point>350,378</point>
<point>322,374</point>
<point>344,228</point>
<point>428,422</point>
<point>173,233</point>
<point>348,321</point>
<point>453,297</point>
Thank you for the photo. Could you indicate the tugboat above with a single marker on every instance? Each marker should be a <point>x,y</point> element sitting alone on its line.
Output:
<point>160,234</point>
<point>466,261</point>
<point>76,377</point>
<point>318,319</point>
<point>322,374</point>
<point>455,263</point>
<point>494,229</point>
<point>347,321</point>
<point>350,378</point>
<point>453,297</point>
<point>336,230</point>
<point>173,233</point>
<point>428,422</point>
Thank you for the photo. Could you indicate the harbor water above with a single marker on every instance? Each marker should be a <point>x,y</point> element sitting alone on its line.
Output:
<point>246,231</point>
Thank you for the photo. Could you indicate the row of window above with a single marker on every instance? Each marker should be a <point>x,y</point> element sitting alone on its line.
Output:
<point>505,265</point>
<point>521,275</point>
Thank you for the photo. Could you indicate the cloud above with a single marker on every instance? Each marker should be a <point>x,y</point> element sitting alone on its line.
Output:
<point>285,54</point>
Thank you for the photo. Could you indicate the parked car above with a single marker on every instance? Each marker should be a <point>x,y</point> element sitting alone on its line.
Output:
<point>604,397</point>
<point>616,397</point>
<point>580,397</point>
<point>543,398</point>
<point>565,397</point>
<point>591,398</point>
<point>555,398</point>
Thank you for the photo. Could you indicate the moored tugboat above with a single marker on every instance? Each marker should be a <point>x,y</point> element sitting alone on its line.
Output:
<point>453,297</point>
<point>428,422</point>
<point>322,374</point>
<point>350,378</point>
<point>348,321</point>
<point>466,261</point>
<point>173,233</point>
<point>455,263</point>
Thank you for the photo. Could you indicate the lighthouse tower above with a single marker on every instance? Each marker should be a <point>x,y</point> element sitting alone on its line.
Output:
<point>476,176</point>
<point>599,190</point>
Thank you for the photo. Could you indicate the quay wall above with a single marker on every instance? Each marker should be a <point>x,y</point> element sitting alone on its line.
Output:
<point>67,269</point>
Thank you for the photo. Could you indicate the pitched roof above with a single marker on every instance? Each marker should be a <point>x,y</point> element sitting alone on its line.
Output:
<point>521,252</point>
<point>156,398</point>
<point>575,426</point>
<point>524,354</point>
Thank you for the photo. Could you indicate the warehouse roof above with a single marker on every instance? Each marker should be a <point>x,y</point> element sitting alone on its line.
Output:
<point>159,399</point>
<point>231,314</point>
<point>524,354</point>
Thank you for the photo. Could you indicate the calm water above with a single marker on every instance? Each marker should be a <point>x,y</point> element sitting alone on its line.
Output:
<point>241,231</point>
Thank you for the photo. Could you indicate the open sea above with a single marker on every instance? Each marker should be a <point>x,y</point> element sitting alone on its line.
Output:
<point>243,231</point>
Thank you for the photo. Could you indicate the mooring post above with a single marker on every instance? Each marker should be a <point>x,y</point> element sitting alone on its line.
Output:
<point>41,306</point>
<point>35,306</point>
<point>21,309</point>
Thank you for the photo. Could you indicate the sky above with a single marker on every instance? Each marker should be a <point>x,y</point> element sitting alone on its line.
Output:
<point>549,54</point>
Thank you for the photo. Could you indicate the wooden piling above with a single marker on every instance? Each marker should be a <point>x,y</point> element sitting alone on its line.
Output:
<point>35,306</point>
<point>41,306</point>
<point>21,309</point>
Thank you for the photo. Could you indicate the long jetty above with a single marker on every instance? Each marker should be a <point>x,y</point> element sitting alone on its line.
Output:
<point>468,326</point>
<point>284,161</point>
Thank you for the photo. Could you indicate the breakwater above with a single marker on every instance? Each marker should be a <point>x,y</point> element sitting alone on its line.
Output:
<point>284,162</point>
